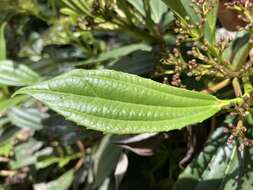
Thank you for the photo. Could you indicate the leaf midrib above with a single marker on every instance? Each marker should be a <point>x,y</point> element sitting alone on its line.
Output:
<point>54,92</point>
<point>87,79</point>
<point>96,75</point>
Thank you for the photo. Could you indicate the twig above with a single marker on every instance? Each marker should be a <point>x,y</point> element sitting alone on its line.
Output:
<point>217,87</point>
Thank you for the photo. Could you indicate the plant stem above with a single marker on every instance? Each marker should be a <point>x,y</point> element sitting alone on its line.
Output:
<point>237,87</point>
<point>238,100</point>
<point>217,87</point>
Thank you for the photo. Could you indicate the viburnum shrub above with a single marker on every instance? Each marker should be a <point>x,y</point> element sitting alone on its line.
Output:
<point>115,102</point>
<point>199,73</point>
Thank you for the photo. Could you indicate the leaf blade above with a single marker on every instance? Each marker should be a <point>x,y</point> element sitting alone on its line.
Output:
<point>121,103</point>
<point>2,42</point>
<point>158,9</point>
<point>219,166</point>
<point>16,75</point>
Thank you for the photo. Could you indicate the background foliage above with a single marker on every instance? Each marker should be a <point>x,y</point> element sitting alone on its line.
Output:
<point>172,42</point>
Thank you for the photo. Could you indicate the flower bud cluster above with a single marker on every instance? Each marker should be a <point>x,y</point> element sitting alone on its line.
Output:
<point>238,131</point>
<point>244,10</point>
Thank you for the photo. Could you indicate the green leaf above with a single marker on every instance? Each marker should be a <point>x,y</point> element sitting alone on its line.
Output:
<point>219,166</point>
<point>242,52</point>
<point>27,153</point>
<point>16,75</point>
<point>65,132</point>
<point>158,8</point>
<point>139,62</point>
<point>26,118</point>
<point>2,43</point>
<point>191,13</point>
<point>210,24</point>
<point>105,159</point>
<point>117,53</point>
<point>183,9</point>
<point>176,6</point>
<point>138,5</point>
<point>62,183</point>
<point>6,104</point>
<point>116,102</point>
<point>6,147</point>
<point>61,161</point>
<point>3,121</point>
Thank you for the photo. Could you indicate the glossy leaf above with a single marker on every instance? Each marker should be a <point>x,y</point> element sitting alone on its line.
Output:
<point>219,166</point>
<point>116,102</point>
<point>16,75</point>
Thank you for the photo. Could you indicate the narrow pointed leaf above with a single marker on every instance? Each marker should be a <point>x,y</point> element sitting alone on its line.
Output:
<point>241,54</point>
<point>176,6</point>
<point>183,8</point>
<point>116,102</point>
<point>210,24</point>
<point>2,43</point>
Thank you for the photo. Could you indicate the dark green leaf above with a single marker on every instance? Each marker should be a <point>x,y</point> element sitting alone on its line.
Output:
<point>183,8</point>
<point>117,53</point>
<point>219,166</point>
<point>139,63</point>
<point>66,132</point>
<point>105,159</point>
<point>241,54</point>
<point>62,183</point>
<point>211,18</point>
